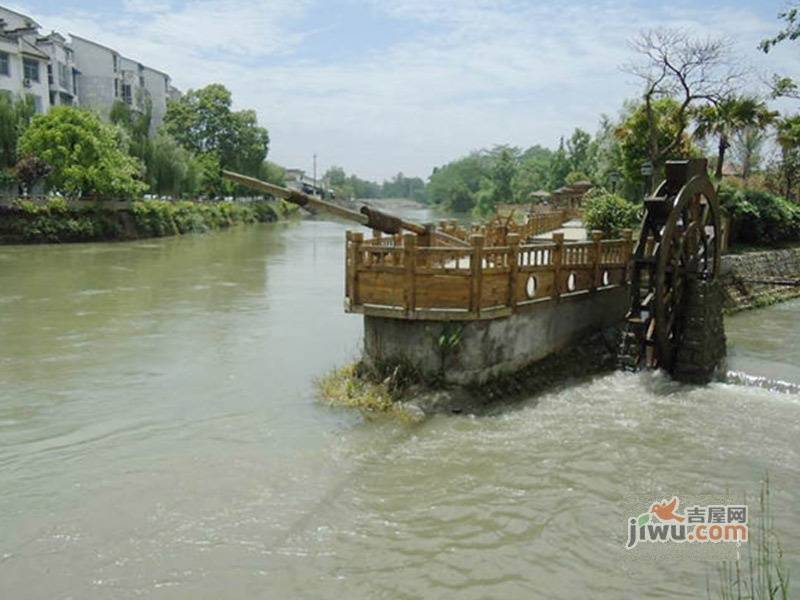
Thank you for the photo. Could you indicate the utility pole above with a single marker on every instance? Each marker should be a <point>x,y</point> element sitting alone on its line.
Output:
<point>315,174</point>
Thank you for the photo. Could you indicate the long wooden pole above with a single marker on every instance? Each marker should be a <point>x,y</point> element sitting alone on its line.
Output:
<point>296,197</point>
<point>367,216</point>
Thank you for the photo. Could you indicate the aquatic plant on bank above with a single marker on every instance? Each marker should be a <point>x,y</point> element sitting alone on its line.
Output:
<point>761,574</point>
<point>375,390</point>
<point>56,221</point>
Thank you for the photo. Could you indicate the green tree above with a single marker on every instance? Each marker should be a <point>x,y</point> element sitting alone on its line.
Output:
<point>251,143</point>
<point>581,150</point>
<point>684,70</point>
<point>575,176</point>
<point>747,150</point>
<point>789,141</point>
<point>15,116</point>
<point>485,198</point>
<point>503,169</point>
<point>791,31</point>
<point>664,118</point>
<point>401,186</point>
<point>272,173</point>
<point>781,85</point>
<point>606,168</point>
<point>533,173</point>
<point>87,156</point>
<point>609,213</point>
<point>202,121</point>
<point>454,185</point>
<point>171,168</point>
<point>728,117</point>
<point>136,124</point>
<point>559,167</point>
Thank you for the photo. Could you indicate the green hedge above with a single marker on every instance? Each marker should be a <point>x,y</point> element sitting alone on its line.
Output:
<point>55,222</point>
<point>760,218</point>
<point>610,213</point>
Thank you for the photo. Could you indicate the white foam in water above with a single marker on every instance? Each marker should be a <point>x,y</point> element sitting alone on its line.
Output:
<point>773,385</point>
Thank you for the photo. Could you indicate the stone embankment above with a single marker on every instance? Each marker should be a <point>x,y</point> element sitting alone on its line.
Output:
<point>740,270</point>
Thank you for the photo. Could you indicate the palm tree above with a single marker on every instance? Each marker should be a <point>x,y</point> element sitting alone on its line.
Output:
<point>727,117</point>
<point>789,140</point>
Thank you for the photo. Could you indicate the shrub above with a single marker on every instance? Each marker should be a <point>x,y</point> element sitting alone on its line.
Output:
<point>158,218</point>
<point>759,217</point>
<point>609,213</point>
<point>55,221</point>
<point>86,155</point>
<point>30,169</point>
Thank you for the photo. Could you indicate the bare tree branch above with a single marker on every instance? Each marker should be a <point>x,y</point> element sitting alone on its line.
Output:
<point>690,70</point>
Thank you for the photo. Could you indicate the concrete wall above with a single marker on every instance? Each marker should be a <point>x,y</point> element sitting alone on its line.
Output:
<point>13,82</point>
<point>495,346</point>
<point>96,80</point>
<point>62,89</point>
<point>157,85</point>
<point>736,268</point>
<point>15,20</point>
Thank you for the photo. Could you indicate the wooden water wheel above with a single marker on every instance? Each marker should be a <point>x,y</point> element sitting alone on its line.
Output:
<point>679,240</point>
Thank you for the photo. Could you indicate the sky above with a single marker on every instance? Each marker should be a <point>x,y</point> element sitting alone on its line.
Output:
<point>386,86</point>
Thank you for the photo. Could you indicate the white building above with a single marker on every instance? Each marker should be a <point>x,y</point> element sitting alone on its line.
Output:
<point>23,65</point>
<point>81,72</point>
<point>106,77</point>
<point>61,71</point>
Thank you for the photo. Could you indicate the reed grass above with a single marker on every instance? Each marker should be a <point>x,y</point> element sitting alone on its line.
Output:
<point>761,574</point>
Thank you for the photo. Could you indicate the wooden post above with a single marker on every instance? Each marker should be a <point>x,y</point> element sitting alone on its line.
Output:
<point>476,273</point>
<point>410,263</point>
<point>427,239</point>
<point>596,255</point>
<point>356,240</point>
<point>377,234</point>
<point>627,252</point>
<point>513,268</point>
<point>558,240</point>
<point>627,248</point>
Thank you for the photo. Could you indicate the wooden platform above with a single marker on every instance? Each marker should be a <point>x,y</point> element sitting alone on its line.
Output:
<point>394,277</point>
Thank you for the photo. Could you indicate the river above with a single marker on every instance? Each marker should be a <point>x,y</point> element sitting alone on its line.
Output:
<point>160,438</point>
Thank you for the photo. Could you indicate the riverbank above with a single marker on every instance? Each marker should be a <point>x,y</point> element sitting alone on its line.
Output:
<point>738,271</point>
<point>56,221</point>
<point>401,389</point>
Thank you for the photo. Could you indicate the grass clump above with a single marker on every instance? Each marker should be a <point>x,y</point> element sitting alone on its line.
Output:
<point>358,386</point>
<point>344,387</point>
<point>762,574</point>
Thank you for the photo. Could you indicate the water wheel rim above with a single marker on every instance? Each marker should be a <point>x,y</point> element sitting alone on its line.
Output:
<point>694,216</point>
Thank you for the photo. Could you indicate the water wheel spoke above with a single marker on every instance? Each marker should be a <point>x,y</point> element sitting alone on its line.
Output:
<point>673,247</point>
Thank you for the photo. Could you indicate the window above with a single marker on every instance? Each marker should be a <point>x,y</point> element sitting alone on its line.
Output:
<point>5,67</point>
<point>116,64</point>
<point>116,88</point>
<point>37,103</point>
<point>50,74</point>
<point>127,96</point>
<point>63,75</point>
<point>31,69</point>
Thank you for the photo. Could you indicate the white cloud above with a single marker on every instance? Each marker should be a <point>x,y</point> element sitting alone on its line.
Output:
<point>479,72</point>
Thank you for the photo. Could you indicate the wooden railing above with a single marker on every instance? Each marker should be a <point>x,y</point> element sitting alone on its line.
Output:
<point>496,229</point>
<point>393,276</point>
